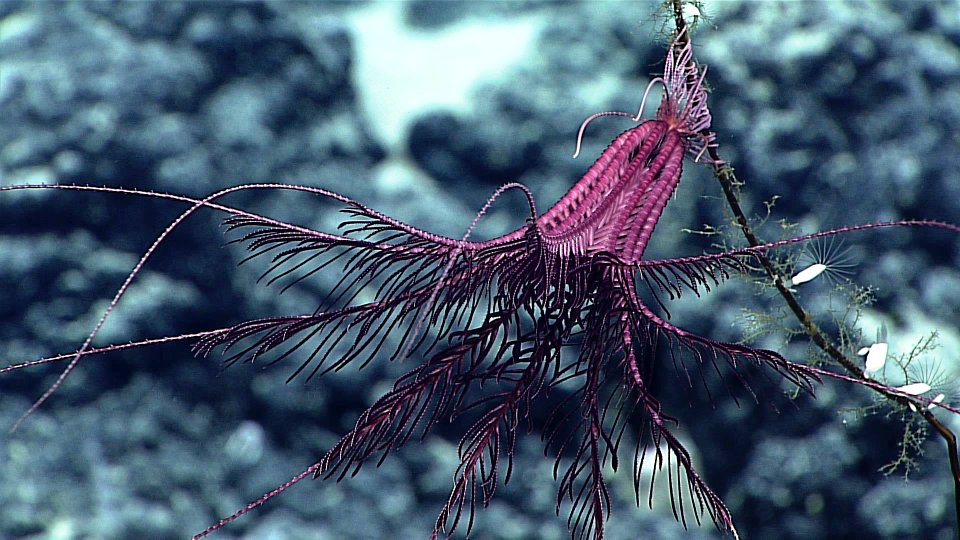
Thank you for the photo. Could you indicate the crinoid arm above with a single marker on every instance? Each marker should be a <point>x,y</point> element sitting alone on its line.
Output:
<point>419,281</point>
<point>380,249</point>
<point>588,429</point>
<point>494,354</point>
<point>696,274</point>
<point>701,497</point>
<point>673,277</point>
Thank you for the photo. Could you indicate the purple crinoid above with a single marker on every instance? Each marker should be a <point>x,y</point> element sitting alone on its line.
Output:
<point>491,321</point>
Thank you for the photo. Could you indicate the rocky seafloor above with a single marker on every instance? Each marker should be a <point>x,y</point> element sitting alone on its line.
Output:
<point>846,111</point>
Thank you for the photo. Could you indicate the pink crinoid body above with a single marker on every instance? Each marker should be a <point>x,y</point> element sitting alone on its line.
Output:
<point>618,202</point>
<point>616,205</point>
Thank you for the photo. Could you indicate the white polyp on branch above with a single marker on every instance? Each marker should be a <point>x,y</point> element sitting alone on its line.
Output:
<point>877,353</point>
<point>914,389</point>
<point>825,257</point>
<point>808,273</point>
<point>939,399</point>
<point>876,357</point>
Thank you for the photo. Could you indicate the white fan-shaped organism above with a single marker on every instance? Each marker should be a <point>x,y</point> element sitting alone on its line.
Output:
<point>824,256</point>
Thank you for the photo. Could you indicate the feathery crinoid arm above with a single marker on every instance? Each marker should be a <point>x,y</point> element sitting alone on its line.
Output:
<point>417,285</point>
<point>591,426</point>
<point>672,277</point>
<point>684,105</point>
<point>493,368</point>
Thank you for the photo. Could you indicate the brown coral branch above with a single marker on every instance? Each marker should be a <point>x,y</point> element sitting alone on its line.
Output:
<point>728,182</point>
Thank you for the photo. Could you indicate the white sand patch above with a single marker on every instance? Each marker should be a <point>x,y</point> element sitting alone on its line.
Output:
<point>400,72</point>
